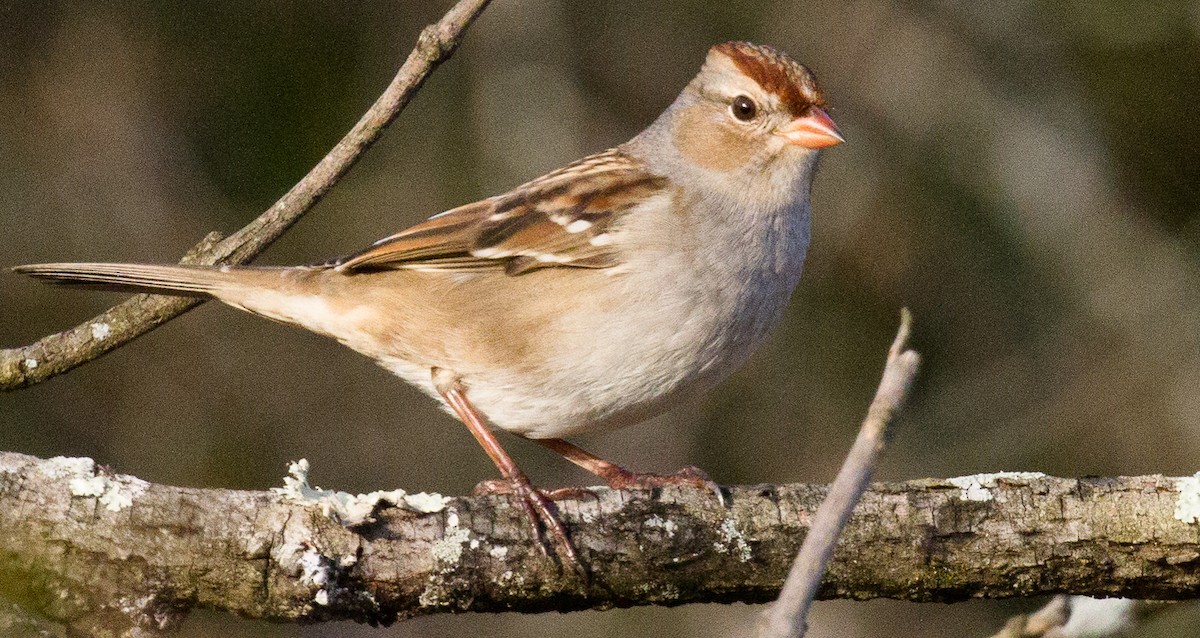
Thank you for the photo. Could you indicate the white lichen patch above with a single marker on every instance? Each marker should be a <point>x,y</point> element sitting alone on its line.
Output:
<point>447,551</point>
<point>972,488</point>
<point>316,569</point>
<point>115,493</point>
<point>733,539</point>
<point>978,487</point>
<point>30,363</point>
<point>319,570</point>
<point>352,509</point>
<point>667,525</point>
<point>100,331</point>
<point>1187,504</point>
<point>91,486</point>
<point>498,552</point>
<point>115,498</point>
<point>64,467</point>
<point>423,502</point>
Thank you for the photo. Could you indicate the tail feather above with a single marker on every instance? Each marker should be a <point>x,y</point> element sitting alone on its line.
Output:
<point>190,281</point>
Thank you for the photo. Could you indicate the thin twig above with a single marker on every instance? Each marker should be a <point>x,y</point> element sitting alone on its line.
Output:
<point>787,617</point>
<point>55,354</point>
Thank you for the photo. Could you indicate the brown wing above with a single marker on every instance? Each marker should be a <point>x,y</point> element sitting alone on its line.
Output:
<point>559,220</point>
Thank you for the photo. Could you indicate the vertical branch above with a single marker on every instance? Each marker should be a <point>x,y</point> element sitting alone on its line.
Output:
<point>787,617</point>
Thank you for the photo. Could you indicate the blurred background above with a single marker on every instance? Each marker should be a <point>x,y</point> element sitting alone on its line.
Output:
<point>1022,174</point>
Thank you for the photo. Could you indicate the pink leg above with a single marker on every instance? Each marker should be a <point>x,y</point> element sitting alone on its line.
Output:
<point>538,508</point>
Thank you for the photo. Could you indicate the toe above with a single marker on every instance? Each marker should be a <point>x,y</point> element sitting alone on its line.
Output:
<point>493,486</point>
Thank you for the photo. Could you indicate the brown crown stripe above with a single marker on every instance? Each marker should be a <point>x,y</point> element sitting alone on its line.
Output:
<point>776,73</point>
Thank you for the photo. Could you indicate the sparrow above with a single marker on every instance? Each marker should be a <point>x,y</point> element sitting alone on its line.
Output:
<point>591,298</point>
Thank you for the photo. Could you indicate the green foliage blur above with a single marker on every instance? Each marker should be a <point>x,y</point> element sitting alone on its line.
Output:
<point>1023,175</point>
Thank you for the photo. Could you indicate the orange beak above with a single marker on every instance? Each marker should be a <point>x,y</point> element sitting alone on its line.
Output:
<point>812,130</point>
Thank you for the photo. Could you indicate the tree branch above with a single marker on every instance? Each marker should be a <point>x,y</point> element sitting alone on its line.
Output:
<point>58,353</point>
<point>96,550</point>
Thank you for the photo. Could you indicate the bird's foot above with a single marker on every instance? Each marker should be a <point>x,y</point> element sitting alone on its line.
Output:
<point>540,511</point>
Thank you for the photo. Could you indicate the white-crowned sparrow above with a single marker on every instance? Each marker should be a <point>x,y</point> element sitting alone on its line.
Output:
<point>593,297</point>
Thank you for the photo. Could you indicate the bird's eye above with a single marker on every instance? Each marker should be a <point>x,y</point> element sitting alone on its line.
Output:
<point>743,108</point>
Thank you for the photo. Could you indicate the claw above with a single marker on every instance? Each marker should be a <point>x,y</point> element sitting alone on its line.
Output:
<point>541,513</point>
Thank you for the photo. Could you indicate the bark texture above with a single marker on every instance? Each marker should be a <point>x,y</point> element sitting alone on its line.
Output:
<point>104,553</point>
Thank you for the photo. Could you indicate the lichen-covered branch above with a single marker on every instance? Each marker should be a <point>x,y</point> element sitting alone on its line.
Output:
<point>99,551</point>
<point>55,354</point>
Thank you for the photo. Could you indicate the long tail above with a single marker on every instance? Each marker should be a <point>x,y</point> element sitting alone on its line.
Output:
<point>189,281</point>
<point>289,294</point>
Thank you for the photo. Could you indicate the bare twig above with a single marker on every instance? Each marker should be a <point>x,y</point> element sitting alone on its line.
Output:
<point>55,354</point>
<point>787,618</point>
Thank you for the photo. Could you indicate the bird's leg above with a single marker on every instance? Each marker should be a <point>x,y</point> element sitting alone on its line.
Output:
<point>538,507</point>
<point>620,478</point>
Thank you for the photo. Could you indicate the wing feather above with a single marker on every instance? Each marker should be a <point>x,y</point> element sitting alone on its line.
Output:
<point>558,220</point>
